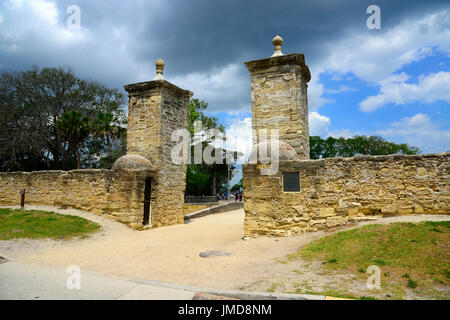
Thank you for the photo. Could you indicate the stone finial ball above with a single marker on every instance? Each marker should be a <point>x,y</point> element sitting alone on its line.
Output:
<point>277,41</point>
<point>159,64</point>
<point>159,69</point>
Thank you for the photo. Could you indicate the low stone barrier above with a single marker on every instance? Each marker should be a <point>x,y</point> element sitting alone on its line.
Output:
<point>337,191</point>
<point>200,199</point>
<point>114,194</point>
<point>230,206</point>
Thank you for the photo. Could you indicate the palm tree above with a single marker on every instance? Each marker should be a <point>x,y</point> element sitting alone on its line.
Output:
<point>73,127</point>
<point>104,127</point>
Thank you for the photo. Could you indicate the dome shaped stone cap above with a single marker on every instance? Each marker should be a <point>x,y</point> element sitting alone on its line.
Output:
<point>133,162</point>
<point>285,151</point>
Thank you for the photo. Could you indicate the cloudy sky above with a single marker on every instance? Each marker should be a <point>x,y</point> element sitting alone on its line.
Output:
<point>393,82</point>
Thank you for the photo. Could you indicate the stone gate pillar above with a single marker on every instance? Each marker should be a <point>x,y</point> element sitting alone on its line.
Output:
<point>279,97</point>
<point>156,109</point>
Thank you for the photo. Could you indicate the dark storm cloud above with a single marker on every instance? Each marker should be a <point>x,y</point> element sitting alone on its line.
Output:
<point>124,38</point>
<point>198,35</point>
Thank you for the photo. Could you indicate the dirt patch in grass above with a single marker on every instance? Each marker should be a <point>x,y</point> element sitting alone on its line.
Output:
<point>36,224</point>
<point>254,265</point>
<point>421,250</point>
<point>411,257</point>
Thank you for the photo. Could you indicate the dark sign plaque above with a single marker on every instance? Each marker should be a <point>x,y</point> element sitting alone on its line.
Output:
<point>291,181</point>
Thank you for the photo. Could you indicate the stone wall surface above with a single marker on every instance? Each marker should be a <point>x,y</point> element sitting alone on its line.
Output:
<point>156,110</point>
<point>279,100</point>
<point>117,195</point>
<point>170,182</point>
<point>338,191</point>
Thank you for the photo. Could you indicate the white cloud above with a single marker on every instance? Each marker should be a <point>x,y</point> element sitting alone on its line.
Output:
<point>374,56</point>
<point>239,137</point>
<point>342,88</point>
<point>315,98</point>
<point>434,87</point>
<point>419,131</point>
<point>395,78</point>
<point>38,20</point>
<point>318,124</point>
<point>316,91</point>
<point>36,31</point>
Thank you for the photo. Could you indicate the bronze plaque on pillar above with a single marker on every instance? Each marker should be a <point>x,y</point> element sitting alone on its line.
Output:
<point>291,181</point>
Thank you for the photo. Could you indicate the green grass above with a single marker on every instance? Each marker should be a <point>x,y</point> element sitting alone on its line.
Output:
<point>274,287</point>
<point>35,224</point>
<point>419,250</point>
<point>412,283</point>
<point>332,293</point>
<point>193,208</point>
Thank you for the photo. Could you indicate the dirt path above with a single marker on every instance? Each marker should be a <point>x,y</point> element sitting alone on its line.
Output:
<point>171,254</point>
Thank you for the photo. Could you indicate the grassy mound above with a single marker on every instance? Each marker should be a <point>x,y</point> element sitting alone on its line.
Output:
<point>417,254</point>
<point>35,224</point>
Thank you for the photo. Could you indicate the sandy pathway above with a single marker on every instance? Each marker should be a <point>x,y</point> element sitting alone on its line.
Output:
<point>171,254</point>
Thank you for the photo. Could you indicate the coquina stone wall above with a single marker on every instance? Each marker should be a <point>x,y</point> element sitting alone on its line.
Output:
<point>157,109</point>
<point>114,194</point>
<point>338,191</point>
<point>279,100</point>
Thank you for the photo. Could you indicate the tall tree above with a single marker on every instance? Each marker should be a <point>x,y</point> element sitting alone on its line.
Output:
<point>74,128</point>
<point>31,104</point>
<point>197,113</point>
<point>203,179</point>
<point>107,127</point>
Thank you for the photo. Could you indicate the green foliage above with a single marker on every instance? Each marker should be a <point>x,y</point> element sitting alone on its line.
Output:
<point>198,180</point>
<point>107,129</point>
<point>412,284</point>
<point>206,179</point>
<point>44,117</point>
<point>387,245</point>
<point>73,127</point>
<point>197,113</point>
<point>238,186</point>
<point>36,224</point>
<point>358,145</point>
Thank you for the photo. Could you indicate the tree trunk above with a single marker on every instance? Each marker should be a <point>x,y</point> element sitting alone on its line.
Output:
<point>78,159</point>
<point>47,161</point>
<point>108,143</point>
<point>77,154</point>
<point>214,182</point>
